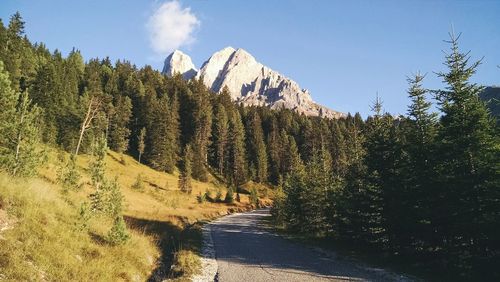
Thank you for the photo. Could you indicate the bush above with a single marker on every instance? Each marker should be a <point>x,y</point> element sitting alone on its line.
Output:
<point>138,185</point>
<point>68,175</point>
<point>118,234</point>
<point>229,196</point>
<point>254,197</point>
<point>208,195</point>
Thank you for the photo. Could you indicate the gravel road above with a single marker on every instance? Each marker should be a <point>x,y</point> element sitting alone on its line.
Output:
<point>247,250</point>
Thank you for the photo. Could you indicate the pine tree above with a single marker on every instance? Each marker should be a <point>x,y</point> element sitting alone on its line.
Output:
<point>468,163</point>
<point>185,175</point>
<point>19,130</point>
<point>202,130</point>
<point>274,152</point>
<point>220,136</point>
<point>97,169</point>
<point>118,234</point>
<point>25,139</point>
<point>69,177</point>
<point>8,102</point>
<point>229,195</point>
<point>351,201</point>
<point>162,152</point>
<point>237,149</point>
<point>119,132</point>
<point>419,131</point>
<point>257,147</point>
<point>138,185</point>
<point>140,143</point>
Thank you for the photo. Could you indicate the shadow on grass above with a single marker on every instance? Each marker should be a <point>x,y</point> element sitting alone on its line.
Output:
<point>170,239</point>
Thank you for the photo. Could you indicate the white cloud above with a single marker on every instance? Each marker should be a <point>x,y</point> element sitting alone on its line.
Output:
<point>171,26</point>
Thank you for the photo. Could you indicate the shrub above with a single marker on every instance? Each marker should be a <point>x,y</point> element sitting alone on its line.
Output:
<point>254,197</point>
<point>118,234</point>
<point>229,195</point>
<point>68,176</point>
<point>138,185</point>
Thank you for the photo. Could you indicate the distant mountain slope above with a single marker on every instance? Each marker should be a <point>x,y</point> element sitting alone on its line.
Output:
<point>249,82</point>
<point>491,95</point>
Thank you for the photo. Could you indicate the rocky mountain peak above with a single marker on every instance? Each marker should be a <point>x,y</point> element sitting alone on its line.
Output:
<point>178,62</point>
<point>249,82</point>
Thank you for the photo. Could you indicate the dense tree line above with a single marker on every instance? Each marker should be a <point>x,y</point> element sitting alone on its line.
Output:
<point>416,184</point>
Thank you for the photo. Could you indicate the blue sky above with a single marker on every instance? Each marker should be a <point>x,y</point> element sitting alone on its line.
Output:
<point>342,51</point>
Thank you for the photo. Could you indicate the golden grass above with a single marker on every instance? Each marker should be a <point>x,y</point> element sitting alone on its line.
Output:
<point>45,243</point>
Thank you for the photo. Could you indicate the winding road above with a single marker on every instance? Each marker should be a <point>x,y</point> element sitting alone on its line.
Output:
<point>247,250</point>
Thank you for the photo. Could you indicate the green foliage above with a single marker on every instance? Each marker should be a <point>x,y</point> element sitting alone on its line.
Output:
<point>254,197</point>
<point>141,145</point>
<point>138,184</point>
<point>185,175</point>
<point>237,157</point>
<point>220,137</point>
<point>107,198</point>
<point>229,195</point>
<point>411,185</point>
<point>68,175</point>
<point>85,215</point>
<point>19,142</point>
<point>118,234</point>
<point>118,128</point>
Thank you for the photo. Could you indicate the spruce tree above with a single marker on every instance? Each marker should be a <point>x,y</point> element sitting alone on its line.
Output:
<point>25,138</point>
<point>419,131</point>
<point>220,136</point>
<point>237,149</point>
<point>119,131</point>
<point>257,147</point>
<point>468,174</point>
<point>141,145</point>
<point>8,101</point>
<point>69,177</point>
<point>118,234</point>
<point>185,174</point>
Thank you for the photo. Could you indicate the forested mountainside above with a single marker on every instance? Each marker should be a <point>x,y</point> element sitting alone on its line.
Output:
<point>415,185</point>
<point>491,95</point>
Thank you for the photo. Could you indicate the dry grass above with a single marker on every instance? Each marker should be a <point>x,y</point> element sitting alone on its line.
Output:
<point>45,243</point>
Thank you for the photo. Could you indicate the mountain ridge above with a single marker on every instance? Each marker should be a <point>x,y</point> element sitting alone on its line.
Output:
<point>249,82</point>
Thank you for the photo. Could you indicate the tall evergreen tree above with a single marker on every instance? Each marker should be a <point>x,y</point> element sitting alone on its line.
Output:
<point>468,163</point>
<point>237,150</point>
<point>220,137</point>
<point>19,130</point>
<point>119,132</point>
<point>185,175</point>
<point>419,131</point>
<point>257,147</point>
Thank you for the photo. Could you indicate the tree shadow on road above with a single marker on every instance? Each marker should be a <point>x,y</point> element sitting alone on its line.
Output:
<point>246,242</point>
<point>170,239</point>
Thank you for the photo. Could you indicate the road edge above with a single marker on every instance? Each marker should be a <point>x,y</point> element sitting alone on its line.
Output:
<point>208,262</point>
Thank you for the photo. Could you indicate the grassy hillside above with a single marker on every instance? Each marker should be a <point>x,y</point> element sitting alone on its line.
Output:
<point>41,237</point>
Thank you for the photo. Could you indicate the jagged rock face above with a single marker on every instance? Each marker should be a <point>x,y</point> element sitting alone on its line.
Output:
<point>178,62</point>
<point>253,84</point>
